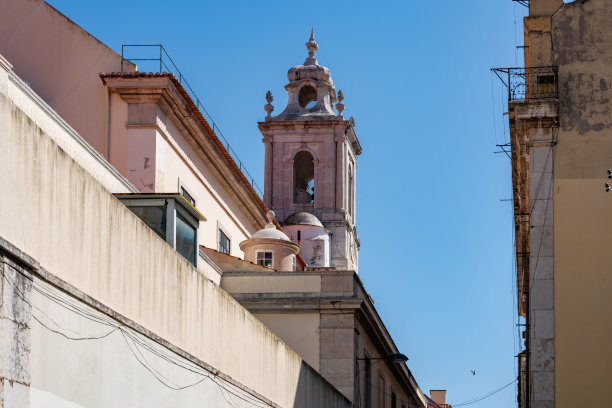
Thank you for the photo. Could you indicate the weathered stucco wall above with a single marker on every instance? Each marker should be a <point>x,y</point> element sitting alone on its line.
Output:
<point>59,214</point>
<point>582,45</point>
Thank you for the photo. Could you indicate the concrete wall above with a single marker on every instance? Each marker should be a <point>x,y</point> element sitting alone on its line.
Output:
<point>582,45</point>
<point>58,213</point>
<point>15,344</point>
<point>300,331</point>
<point>79,354</point>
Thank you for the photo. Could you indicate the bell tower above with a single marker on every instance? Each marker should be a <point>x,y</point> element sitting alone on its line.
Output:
<point>311,160</point>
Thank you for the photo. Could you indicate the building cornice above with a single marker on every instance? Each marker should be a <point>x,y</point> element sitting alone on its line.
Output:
<point>165,90</point>
<point>341,127</point>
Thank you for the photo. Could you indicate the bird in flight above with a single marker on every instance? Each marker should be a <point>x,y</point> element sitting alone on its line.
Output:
<point>473,372</point>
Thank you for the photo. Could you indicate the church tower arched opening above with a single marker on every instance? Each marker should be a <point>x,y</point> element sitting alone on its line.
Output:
<point>303,178</point>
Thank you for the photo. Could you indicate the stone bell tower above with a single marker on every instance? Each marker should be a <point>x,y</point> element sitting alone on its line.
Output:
<point>311,160</point>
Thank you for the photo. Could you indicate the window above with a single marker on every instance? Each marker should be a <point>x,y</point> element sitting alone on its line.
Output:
<point>153,216</point>
<point>186,243</point>
<point>368,383</point>
<point>303,178</point>
<point>187,196</point>
<point>381,392</point>
<point>546,79</point>
<point>293,263</point>
<point>170,217</point>
<point>393,400</point>
<point>264,258</point>
<point>224,243</point>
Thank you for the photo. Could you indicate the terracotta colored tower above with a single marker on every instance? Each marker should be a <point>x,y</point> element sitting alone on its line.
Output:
<point>311,161</point>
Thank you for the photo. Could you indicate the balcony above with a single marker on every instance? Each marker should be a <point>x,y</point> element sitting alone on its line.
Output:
<point>529,83</point>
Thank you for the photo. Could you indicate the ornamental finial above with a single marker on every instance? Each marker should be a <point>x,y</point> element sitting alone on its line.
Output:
<point>312,46</point>
<point>269,108</point>
<point>340,105</point>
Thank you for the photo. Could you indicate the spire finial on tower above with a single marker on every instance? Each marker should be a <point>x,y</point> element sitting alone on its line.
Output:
<point>312,46</point>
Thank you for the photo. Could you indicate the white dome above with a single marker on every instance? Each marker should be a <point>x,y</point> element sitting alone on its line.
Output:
<point>270,231</point>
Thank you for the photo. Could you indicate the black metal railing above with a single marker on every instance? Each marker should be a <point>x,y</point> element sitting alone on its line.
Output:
<point>155,58</point>
<point>529,83</point>
<point>523,2</point>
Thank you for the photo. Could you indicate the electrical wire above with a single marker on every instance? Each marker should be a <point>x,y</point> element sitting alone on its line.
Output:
<point>22,297</point>
<point>493,104</point>
<point>133,347</point>
<point>482,397</point>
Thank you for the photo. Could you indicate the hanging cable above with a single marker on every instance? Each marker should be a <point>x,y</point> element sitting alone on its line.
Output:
<point>490,394</point>
<point>133,347</point>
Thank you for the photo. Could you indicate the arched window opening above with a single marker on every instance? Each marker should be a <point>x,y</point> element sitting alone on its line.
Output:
<point>307,97</point>
<point>303,178</point>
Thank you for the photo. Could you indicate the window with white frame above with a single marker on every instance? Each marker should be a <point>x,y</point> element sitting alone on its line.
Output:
<point>224,242</point>
<point>264,258</point>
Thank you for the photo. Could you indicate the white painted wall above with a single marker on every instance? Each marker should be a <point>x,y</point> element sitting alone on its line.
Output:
<point>112,371</point>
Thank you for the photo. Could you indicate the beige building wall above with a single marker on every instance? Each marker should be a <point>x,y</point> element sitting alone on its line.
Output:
<point>562,150</point>
<point>80,234</point>
<point>582,45</point>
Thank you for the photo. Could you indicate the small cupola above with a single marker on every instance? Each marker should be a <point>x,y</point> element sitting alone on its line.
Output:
<point>313,238</point>
<point>311,90</point>
<point>270,247</point>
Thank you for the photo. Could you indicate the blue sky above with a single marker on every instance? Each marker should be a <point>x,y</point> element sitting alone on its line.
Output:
<point>436,241</point>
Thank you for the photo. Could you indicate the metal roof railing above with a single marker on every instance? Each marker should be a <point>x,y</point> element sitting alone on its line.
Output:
<point>530,83</point>
<point>156,55</point>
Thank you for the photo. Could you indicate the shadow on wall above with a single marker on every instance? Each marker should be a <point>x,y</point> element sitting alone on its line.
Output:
<point>314,391</point>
